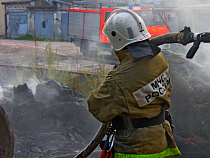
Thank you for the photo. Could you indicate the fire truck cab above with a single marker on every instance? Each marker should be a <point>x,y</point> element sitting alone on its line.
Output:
<point>85,25</point>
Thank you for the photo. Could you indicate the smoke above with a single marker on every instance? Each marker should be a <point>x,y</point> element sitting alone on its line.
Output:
<point>194,14</point>
<point>54,115</point>
<point>1,93</point>
<point>32,82</point>
<point>190,79</point>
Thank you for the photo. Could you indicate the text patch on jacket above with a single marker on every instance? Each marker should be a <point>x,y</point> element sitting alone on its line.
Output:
<point>156,88</point>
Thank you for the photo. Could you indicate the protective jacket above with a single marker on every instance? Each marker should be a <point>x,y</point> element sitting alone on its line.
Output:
<point>137,88</point>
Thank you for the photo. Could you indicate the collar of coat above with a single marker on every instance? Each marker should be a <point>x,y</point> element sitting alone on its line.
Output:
<point>125,57</point>
<point>137,51</point>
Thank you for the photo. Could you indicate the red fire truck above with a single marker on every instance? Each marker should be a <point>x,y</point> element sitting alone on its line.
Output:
<point>85,26</point>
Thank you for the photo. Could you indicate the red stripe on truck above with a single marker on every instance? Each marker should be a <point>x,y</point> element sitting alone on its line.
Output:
<point>87,11</point>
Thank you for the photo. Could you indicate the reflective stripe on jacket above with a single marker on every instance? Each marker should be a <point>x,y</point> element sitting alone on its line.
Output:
<point>166,153</point>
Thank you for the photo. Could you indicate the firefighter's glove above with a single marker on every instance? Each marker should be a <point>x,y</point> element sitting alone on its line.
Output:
<point>185,36</point>
<point>203,37</point>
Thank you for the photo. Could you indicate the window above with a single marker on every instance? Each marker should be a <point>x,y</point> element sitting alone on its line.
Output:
<point>106,16</point>
<point>149,17</point>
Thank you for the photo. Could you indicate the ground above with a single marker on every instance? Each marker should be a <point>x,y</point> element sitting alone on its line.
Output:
<point>189,99</point>
<point>25,53</point>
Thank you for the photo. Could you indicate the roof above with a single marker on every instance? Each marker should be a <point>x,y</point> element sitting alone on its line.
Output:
<point>48,1</point>
<point>63,1</point>
<point>200,6</point>
<point>15,1</point>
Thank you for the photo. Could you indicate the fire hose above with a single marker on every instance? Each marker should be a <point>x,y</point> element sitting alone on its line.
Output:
<point>95,141</point>
<point>6,136</point>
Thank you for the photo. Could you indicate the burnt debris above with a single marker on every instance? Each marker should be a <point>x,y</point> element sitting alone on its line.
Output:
<point>54,122</point>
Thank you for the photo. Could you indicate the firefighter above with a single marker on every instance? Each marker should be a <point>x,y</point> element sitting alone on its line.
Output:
<point>135,95</point>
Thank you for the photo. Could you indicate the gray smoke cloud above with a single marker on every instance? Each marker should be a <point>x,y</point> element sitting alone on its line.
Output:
<point>32,82</point>
<point>1,93</point>
<point>194,14</point>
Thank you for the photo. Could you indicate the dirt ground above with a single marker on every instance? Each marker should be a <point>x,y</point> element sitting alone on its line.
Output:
<point>26,53</point>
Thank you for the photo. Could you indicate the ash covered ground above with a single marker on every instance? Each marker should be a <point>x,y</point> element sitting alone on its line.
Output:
<point>52,120</point>
<point>190,105</point>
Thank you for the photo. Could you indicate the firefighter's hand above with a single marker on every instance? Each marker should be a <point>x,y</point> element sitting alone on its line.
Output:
<point>185,36</point>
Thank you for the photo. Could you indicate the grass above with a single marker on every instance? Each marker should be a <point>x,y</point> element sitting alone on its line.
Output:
<point>26,37</point>
<point>31,38</point>
<point>84,81</point>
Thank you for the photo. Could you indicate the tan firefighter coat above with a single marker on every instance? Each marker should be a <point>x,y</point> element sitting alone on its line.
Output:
<point>138,88</point>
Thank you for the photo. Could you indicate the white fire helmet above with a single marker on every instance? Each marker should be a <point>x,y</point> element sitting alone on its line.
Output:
<point>124,27</point>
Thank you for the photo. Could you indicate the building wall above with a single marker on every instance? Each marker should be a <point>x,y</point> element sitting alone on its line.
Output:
<point>2,17</point>
<point>14,11</point>
<point>21,20</point>
<point>58,25</point>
